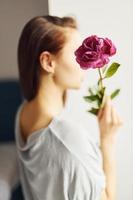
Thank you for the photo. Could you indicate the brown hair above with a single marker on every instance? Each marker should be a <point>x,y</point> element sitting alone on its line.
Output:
<point>41,33</point>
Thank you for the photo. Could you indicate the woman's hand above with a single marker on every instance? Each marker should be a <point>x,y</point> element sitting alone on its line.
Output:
<point>108,120</point>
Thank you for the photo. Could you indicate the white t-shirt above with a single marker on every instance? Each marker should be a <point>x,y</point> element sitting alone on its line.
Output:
<point>59,162</point>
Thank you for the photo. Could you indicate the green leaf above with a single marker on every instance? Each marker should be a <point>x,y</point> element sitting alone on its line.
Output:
<point>115,93</point>
<point>112,70</point>
<point>94,111</point>
<point>91,98</point>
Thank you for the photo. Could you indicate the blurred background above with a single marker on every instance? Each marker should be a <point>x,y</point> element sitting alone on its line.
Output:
<point>112,19</point>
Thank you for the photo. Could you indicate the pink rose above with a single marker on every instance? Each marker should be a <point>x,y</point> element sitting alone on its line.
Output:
<point>94,52</point>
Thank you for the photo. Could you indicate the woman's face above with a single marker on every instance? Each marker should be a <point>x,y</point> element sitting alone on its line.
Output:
<point>68,73</point>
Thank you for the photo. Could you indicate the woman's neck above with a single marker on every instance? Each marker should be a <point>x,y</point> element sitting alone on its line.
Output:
<point>50,99</point>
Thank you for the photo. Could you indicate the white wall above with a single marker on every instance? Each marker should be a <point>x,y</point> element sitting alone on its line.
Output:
<point>13,15</point>
<point>114,20</point>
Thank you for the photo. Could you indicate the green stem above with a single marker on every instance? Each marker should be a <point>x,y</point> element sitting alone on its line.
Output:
<point>101,84</point>
<point>101,78</point>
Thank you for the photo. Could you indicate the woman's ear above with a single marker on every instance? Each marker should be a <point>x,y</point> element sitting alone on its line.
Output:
<point>46,62</point>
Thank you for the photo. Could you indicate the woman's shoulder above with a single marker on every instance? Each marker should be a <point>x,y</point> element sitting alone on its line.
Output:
<point>28,126</point>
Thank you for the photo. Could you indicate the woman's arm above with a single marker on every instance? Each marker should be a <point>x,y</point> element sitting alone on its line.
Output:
<point>109,122</point>
<point>109,166</point>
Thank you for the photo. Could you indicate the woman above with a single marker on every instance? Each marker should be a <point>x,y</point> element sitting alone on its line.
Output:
<point>57,158</point>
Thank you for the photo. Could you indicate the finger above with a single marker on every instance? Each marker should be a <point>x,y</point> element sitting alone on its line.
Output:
<point>100,113</point>
<point>120,122</point>
<point>114,116</point>
<point>107,109</point>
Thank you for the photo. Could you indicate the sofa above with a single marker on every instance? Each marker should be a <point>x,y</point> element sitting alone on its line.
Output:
<point>10,99</point>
